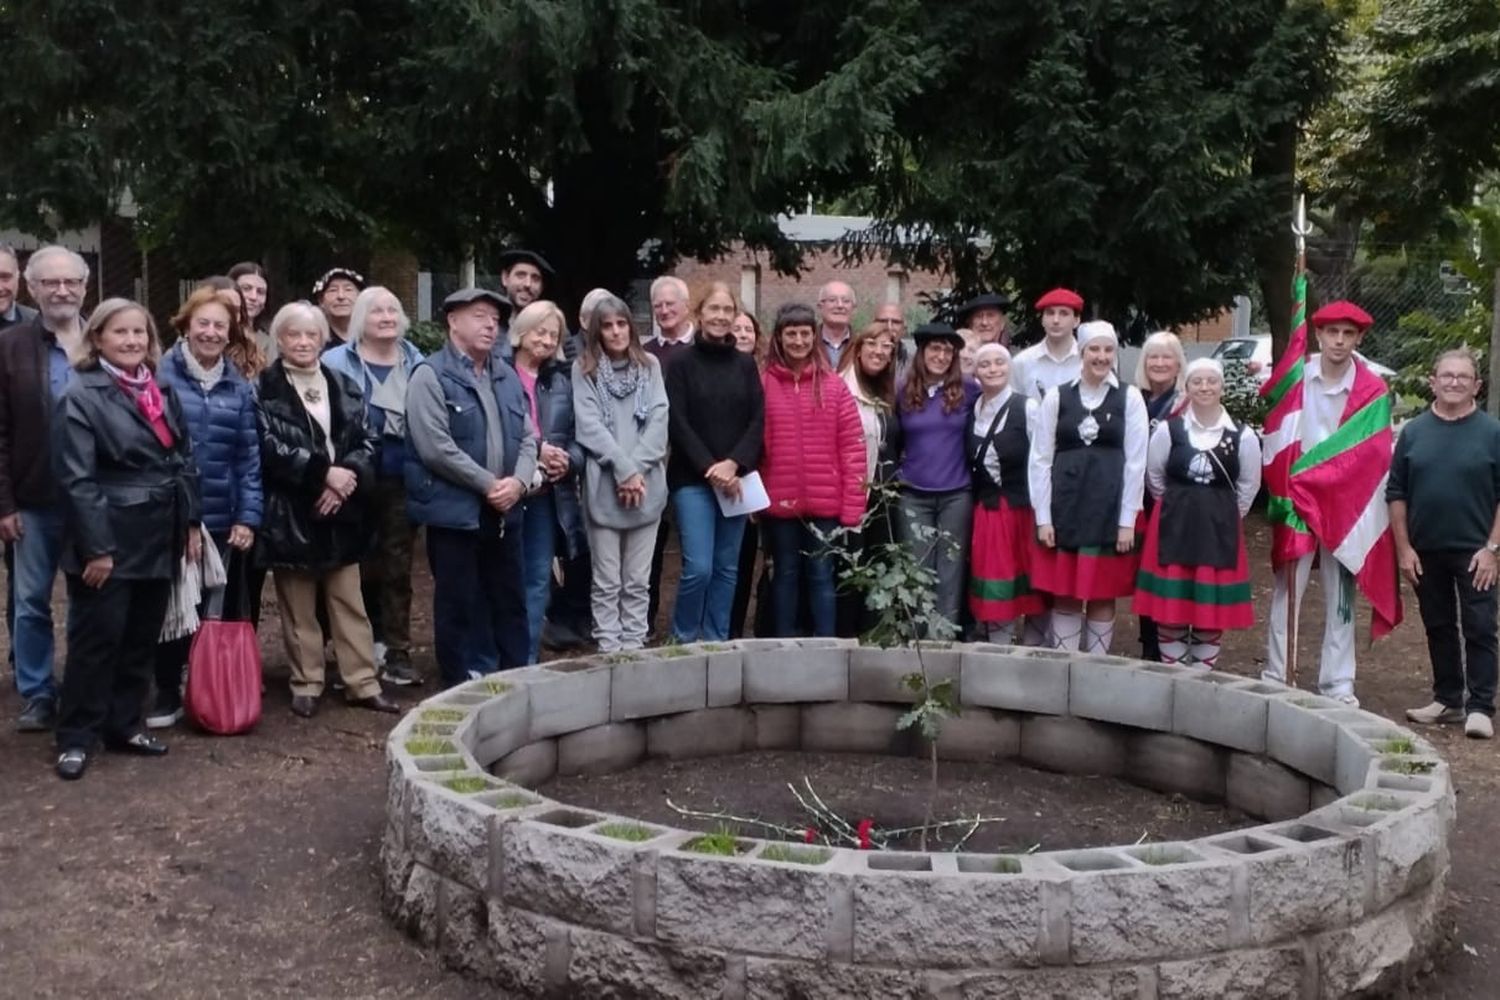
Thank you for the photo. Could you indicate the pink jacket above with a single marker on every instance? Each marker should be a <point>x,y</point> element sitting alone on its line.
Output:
<point>814,462</point>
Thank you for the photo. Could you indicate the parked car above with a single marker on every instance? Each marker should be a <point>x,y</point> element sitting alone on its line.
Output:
<point>1256,353</point>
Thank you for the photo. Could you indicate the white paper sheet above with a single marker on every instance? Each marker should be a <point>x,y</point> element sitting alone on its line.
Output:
<point>752,497</point>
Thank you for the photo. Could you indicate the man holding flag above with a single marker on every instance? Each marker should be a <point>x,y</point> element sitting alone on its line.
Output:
<point>1327,453</point>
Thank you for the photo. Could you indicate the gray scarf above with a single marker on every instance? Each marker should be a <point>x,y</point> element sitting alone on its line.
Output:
<point>614,381</point>
<point>205,377</point>
<point>389,395</point>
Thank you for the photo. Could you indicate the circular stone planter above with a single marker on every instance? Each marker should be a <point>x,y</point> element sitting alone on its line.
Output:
<point>1335,894</point>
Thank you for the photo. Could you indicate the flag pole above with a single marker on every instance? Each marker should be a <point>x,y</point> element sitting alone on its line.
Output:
<point>1300,231</point>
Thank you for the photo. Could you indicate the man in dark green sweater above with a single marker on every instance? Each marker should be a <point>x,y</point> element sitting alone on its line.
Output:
<point>1444,496</point>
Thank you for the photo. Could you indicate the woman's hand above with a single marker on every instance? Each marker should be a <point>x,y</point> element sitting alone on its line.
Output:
<point>722,473</point>
<point>97,570</point>
<point>1047,536</point>
<point>554,462</point>
<point>1125,540</point>
<point>241,538</point>
<point>194,544</point>
<point>328,503</point>
<point>732,488</point>
<point>341,481</point>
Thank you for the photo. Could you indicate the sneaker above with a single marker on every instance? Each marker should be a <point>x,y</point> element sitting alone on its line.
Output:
<point>381,650</point>
<point>398,671</point>
<point>1478,726</point>
<point>1347,699</point>
<point>37,717</point>
<point>1435,714</point>
<point>166,712</point>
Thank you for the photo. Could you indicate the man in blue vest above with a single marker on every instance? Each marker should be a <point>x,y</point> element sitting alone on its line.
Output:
<point>470,454</point>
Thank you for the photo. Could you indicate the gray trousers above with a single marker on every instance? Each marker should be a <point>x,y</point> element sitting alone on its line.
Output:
<point>621,592</point>
<point>947,555</point>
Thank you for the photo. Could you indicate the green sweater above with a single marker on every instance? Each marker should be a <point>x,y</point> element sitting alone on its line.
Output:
<point>1448,472</point>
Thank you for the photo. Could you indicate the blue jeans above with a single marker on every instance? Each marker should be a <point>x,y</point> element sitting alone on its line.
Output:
<point>798,555</point>
<point>710,565</point>
<point>538,540</point>
<point>37,555</point>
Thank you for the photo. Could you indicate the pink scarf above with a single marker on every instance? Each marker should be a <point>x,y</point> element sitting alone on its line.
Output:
<point>144,392</point>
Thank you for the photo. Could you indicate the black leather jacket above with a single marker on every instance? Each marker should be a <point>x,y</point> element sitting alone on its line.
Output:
<point>294,461</point>
<point>124,495</point>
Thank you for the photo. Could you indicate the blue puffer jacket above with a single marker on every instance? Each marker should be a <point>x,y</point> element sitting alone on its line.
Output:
<point>226,445</point>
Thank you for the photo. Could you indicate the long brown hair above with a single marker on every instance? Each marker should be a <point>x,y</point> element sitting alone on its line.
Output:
<point>100,318</point>
<point>243,350</point>
<point>918,382</point>
<point>880,387</point>
<point>592,354</point>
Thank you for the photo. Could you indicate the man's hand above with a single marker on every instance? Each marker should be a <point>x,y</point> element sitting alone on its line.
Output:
<point>504,493</point>
<point>1411,566</point>
<point>10,527</point>
<point>1483,567</point>
<point>97,570</point>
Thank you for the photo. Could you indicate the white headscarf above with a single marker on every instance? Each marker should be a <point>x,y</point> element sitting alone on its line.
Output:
<point>1203,365</point>
<point>1094,330</point>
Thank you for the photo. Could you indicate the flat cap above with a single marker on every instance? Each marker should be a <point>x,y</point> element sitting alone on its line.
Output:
<point>467,296</point>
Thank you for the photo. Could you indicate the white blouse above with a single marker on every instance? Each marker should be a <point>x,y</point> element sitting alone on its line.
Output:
<point>984,415</point>
<point>1044,447</point>
<point>1205,437</point>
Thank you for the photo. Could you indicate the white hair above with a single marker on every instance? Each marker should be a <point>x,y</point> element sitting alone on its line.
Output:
<point>364,302</point>
<point>301,309</point>
<point>590,303</point>
<point>823,290</point>
<point>33,262</point>
<point>1161,340</point>
<point>670,281</point>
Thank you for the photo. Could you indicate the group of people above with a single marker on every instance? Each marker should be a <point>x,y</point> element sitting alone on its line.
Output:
<point>549,468</point>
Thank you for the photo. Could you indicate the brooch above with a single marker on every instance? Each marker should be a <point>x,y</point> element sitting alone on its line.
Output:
<point>313,395</point>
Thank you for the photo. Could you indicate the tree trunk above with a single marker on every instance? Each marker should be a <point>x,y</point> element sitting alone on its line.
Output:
<point>1276,254</point>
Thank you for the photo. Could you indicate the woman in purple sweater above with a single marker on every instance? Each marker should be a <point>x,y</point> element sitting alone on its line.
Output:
<point>933,406</point>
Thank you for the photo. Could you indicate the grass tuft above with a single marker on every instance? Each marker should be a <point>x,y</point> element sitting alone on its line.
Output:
<point>721,842</point>
<point>442,715</point>
<point>1398,745</point>
<point>467,784</point>
<point>430,747</point>
<point>793,854</point>
<point>634,832</point>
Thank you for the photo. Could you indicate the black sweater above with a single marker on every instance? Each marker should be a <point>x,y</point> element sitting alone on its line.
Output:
<point>717,410</point>
<point>1448,472</point>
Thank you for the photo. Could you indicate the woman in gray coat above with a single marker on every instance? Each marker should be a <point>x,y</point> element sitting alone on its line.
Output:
<point>620,403</point>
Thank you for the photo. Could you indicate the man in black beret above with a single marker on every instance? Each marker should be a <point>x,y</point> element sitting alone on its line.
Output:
<point>985,315</point>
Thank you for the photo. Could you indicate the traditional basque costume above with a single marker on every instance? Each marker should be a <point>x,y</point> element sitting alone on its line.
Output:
<point>999,444</point>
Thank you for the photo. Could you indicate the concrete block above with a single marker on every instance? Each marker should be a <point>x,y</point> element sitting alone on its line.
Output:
<point>566,873</point>
<point>1353,756</point>
<point>1295,888</point>
<point>464,942</point>
<point>449,833</point>
<point>1111,692</point>
<point>1323,795</point>
<point>776,727</point>
<point>726,684</point>
<point>796,674</point>
<point>603,965</point>
<point>568,702</point>
<point>854,727</point>
<point>1410,847</point>
<point>707,732</point>
<point>954,921</point>
<point>1301,739</point>
<point>783,910</point>
<point>1143,913</point>
<point>611,747</point>
<point>1117,983</point>
<point>1367,959</point>
<point>529,765</point>
<point>412,903</point>
<point>1020,681</point>
<point>1265,789</point>
<point>1229,714</point>
<point>658,684</point>
<point>982,735</point>
<point>1252,974</point>
<point>519,940</point>
<point>503,726</point>
<point>1171,763</point>
<point>1073,746</point>
<point>769,979</point>
<point>878,675</point>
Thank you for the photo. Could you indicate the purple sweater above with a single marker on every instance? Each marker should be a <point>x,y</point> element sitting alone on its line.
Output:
<point>933,458</point>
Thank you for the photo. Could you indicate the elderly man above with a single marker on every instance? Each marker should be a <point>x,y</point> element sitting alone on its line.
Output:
<point>334,293</point>
<point>985,315</point>
<point>674,319</point>
<point>470,453</point>
<point>35,367</point>
<point>1444,497</point>
<point>836,304</point>
<point>11,311</point>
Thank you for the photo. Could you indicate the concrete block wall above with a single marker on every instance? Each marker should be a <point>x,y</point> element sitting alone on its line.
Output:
<point>1335,894</point>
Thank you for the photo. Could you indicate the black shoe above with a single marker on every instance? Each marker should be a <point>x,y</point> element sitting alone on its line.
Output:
<point>72,763</point>
<point>376,703</point>
<point>398,671</point>
<point>37,717</point>
<point>166,712</point>
<point>141,744</point>
<point>304,705</point>
<point>560,635</point>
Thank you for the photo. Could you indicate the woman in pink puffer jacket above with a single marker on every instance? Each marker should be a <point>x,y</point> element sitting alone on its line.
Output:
<point>813,469</point>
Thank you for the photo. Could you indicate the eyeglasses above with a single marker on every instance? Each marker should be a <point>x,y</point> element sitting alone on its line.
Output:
<point>1458,377</point>
<point>54,284</point>
<point>838,300</point>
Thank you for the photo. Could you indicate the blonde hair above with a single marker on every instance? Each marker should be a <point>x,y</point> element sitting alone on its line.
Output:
<point>105,312</point>
<point>1161,339</point>
<point>535,315</point>
<point>301,309</point>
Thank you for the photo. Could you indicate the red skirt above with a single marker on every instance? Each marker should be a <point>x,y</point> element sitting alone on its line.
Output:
<point>1000,564</point>
<point>1088,574</point>
<point>1200,596</point>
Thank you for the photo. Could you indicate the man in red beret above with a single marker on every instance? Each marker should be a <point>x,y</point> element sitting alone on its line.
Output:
<point>1055,361</point>
<point>1336,387</point>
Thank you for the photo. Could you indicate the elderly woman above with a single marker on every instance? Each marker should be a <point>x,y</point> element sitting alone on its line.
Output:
<point>551,507</point>
<point>218,407</point>
<point>318,464</point>
<point>1159,375</point>
<point>243,350</point>
<point>379,359</point>
<point>621,404</point>
<point>1086,472</point>
<point>129,488</point>
<point>1204,469</point>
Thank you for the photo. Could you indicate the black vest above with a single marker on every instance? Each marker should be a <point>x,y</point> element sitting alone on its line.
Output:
<point>1088,470</point>
<point>1012,447</point>
<point>1200,514</point>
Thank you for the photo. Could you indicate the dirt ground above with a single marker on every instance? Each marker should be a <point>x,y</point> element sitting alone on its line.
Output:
<point>247,866</point>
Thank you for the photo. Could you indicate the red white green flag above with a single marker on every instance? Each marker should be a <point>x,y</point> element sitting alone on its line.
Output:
<point>1335,491</point>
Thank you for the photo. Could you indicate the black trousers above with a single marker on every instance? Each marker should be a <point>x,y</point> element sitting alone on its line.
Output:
<point>664,527</point>
<point>571,603</point>
<point>745,582</point>
<point>1448,600</point>
<point>112,634</point>
<point>172,656</point>
<point>10,603</point>
<point>479,622</point>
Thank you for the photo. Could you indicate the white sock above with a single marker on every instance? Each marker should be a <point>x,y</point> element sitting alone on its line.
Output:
<point>1097,636</point>
<point>1205,648</point>
<point>1067,630</point>
<point>1037,630</point>
<point>1173,640</point>
<point>1001,633</point>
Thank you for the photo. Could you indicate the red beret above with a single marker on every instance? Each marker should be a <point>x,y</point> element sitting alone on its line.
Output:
<point>1061,297</point>
<point>1343,311</point>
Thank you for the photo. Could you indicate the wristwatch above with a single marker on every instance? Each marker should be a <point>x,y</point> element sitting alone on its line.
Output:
<point>1493,548</point>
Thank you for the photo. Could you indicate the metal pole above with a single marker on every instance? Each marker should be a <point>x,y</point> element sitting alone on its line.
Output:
<point>1300,230</point>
